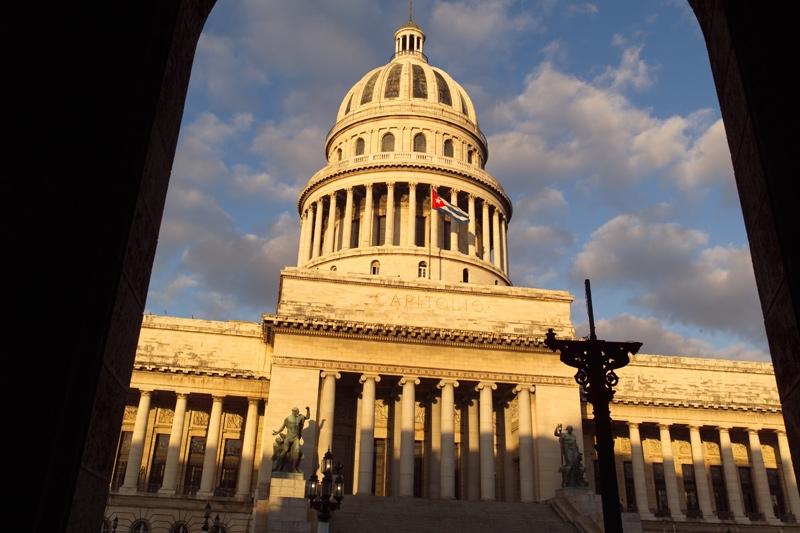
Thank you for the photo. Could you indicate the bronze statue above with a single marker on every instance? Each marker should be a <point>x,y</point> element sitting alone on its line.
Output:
<point>572,469</point>
<point>287,450</point>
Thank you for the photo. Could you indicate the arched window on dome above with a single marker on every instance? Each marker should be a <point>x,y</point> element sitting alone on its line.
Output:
<point>419,143</point>
<point>339,154</point>
<point>419,82</point>
<point>405,41</point>
<point>463,104</point>
<point>422,269</point>
<point>465,275</point>
<point>470,156</point>
<point>392,89</point>
<point>349,101</point>
<point>448,148</point>
<point>360,145</point>
<point>369,88</point>
<point>387,143</point>
<point>140,526</point>
<point>375,268</point>
<point>443,90</point>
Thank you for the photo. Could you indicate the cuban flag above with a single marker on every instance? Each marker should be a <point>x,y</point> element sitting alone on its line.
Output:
<point>443,206</point>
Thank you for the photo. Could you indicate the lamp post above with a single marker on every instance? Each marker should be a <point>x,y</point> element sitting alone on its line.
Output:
<point>319,494</point>
<point>596,361</point>
<point>207,515</point>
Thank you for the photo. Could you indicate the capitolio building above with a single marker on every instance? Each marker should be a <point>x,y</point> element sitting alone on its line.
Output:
<point>423,367</point>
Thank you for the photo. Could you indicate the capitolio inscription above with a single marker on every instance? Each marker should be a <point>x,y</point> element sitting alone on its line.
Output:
<point>444,302</point>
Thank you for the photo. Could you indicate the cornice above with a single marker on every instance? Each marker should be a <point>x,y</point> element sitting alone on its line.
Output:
<point>398,333</point>
<point>696,403</point>
<point>698,363</point>
<point>220,328</point>
<point>196,371</point>
<point>422,372</point>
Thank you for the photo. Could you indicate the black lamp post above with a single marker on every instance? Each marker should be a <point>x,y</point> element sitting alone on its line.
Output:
<point>596,361</point>
<point>319,494</point>
<point>206,516</point>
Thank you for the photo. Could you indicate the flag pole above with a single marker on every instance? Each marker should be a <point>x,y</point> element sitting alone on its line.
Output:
<point>430,226</point>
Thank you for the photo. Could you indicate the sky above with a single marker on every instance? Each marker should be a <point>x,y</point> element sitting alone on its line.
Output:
<point>603,127</point>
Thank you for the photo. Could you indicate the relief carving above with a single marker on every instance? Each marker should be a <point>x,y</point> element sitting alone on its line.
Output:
<point>624,445</point>
<point>711,449</point>
<point>739,452</point>
<point>768,452</point>
<point>684,449</point>
<point>200,419</point>
<point>233,421</point>
<point>130,413</point>
<point>164,416</point>
<point>653,447</point>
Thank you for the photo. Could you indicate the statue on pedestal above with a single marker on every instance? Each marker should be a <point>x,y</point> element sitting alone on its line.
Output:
<point>286,453</point>
<point>572,469</point>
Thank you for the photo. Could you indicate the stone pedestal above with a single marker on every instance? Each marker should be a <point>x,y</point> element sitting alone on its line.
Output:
<point>584,509</point>
<point>287,508</point>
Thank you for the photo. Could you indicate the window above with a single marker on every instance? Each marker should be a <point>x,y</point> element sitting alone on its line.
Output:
<point>443,90</point>
<point>718,487</point>
<point>158,463</point>
<point>630,491</point>
<point>379,460</point>
<point>360,145</point>
<point>354,232</point>
<point>465,275</point>
<point>179,527</point>
<point>748,495</point>
<point>375,268</point>
<point>419,237</point>
<point>448,148</point>
<point>690,488</point>
<point>419,143</point>
<point>339,154</point>
<point>140,526</point>
<point>662,507</point>
<point>121,465</point>
<point>470,156</point>
<point>369,88</point>
<point>446,227</point>
<point>349,101</point>
<point>419,82</point>
<point>379,231</point>
<point>775,492</point>
<point>422,269</point>
<point>463,104</point>
<point>392,89</point>
<point>194,465</point>
<point>387,143</point>
<point>230,467</point>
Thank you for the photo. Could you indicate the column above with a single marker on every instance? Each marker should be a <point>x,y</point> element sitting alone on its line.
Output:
<point>471,235</point>
<point>436,448</point>
<point>131,483</point>
<point>397,436</point>
<point>638,471</point>
<point>366,229</point>
<point>330,233</point>
<point>485,230</point>
<point>473,452</point>
<point>789,479</point>
<point>453,223</point>
<point>357,444</point>
<point>389,238</point>
<point>265,464</point>
<point>700,476</point>
<point>760,478</point>
<point>525,442</point>
<point>732,484</point>
<point>504,238</point>
<point>407,437</point>
<point>486,439</point>
<point>317,229</point>
<point>504,414</point>
<point>212,443</point>
<point>496,238</point>
<point>366,449</point>
<point>348,220</point>
<point>670,479</point>
<point>411,231</point>
<point>434,232</point>
<point>248,449</point>
<point>174,452</point>
<point>301,258</point>
<point>448,465</point>
<point>327,405</point>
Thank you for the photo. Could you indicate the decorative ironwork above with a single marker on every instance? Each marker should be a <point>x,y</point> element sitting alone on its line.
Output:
<point>596,361</point>
<point>326,496</point>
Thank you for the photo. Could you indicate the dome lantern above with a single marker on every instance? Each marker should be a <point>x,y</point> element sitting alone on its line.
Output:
<point>409,40</point>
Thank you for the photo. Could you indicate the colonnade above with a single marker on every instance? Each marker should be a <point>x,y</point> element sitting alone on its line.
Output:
<point>714,500</point>
<point>347,218</point>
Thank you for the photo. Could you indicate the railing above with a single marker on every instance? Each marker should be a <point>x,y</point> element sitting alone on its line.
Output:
<point>409,53</point>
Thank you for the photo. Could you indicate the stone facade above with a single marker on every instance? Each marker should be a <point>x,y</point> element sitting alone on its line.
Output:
<point>423,368</point>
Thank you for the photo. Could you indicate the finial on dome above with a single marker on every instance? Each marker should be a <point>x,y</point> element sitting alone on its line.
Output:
<point>411,10</point>
<point>409,38</point>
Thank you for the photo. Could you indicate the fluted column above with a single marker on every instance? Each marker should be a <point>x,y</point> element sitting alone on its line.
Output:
<point>486,439</point>
<point>169,483</point>
<point>248,449</point>
<point>471,235</point>
<point>411,225</point>
<point>347,231</point>
<point>212,444</point>
<point>504,233</point>
<point>760,477</point>
<point>327,406</point>
<point>331,231</point>
<point>448,465</point>
<point>366,230</point>
<point>732,484</point>
<point>473,453</point>
<point>434,486</point>
<point>700,476</point>
<point>318,212</point>
<point>638,471</point>
<point>131,482</point>
<point>670,479</point>
<point>367,447</point>
<point>407,436</point>
<point>301,258</point>
<point>453,223</point>
<point>525,442</point>
<point>485,253</point>
<point>496,238</point>
<point>789,479</point>
<point>388,239</point>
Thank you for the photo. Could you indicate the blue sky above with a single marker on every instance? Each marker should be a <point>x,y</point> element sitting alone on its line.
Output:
<point>603,126</point>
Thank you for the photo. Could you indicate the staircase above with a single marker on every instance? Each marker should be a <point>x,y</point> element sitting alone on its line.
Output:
<point>379,514</point>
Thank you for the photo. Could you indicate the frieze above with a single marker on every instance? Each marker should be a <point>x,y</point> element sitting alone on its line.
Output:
<point>419,415</point>
<point>624,445</point>
<point>711,449</point>
<point>653,447</point>
<point>199,419</point>
<point>381,412</point>
<point>739,452</point>
<point>233,421</point>
<point>198,371</point>
<point>469,375</point>
<point>684,449</point>
<point>130,413</point>
<point>768,453</point>
<point>164,416</point>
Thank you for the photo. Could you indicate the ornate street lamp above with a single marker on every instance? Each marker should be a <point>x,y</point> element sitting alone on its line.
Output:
<point>319,494</point>
<point>596,361</point>
<point>207,515</point>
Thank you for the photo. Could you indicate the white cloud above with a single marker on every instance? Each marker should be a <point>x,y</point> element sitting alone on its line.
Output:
<point>632,72</point>
<point>223,71</point>
<point>586,8</point>
<point>292,148</point>
<point>708,161</point>
<point>200,154</point>
<point>261,183</point>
